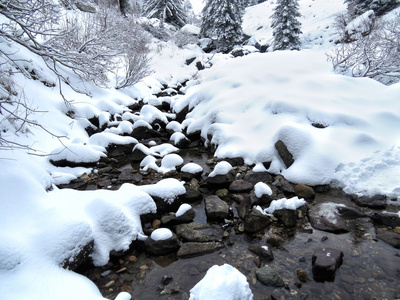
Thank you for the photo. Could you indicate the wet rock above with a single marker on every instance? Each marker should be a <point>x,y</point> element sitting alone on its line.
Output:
<point>375,202</point>
<point>274,240</point>
<point>128,175</point>
<point>220,181</point>
<point>288,217</point>
<point>180,229</point>
<point>216,209</point>
<point>162,247</point>
<point>255,177</point>
<point>172,219</point>
<point>389,237</point>
<point>264,252</point>
<point>192,195</point>
<point>145,132</point>
<point>325,262</point>
<point>186,176</point>
<point>222,193</point>
<point>304,191</point>
<point>283,184</point>
<point>244,207</point>
<point>256,221</point>
<point>76,184</point>
<point>267,276</point>
<point>195,236</point>
<point>302,275</point>
<point>81,257</point>
<point>386,219</point>
<point>192,249</point>
<point>284,153</point>
<point>349,213</point>
<point>240,186</point>
<point>325,217</point>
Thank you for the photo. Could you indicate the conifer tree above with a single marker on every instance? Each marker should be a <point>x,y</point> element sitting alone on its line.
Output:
<point>286,26</point>
<point>169,11</point>
<point>222,21</point>
<point>380,7</point>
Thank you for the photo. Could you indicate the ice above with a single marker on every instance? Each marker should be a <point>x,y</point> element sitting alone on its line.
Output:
<point>183,209</point>
<point>161,234</point>
<point>222,283</point>
<point>221,168</point>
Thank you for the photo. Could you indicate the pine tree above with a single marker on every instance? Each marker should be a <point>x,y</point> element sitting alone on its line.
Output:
<point>169,11</point>
<point>222,21</point>
<point>286,27</point>
<point>380,7</point>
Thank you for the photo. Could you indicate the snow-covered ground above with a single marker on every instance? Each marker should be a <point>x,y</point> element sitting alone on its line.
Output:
<point>246,103</point>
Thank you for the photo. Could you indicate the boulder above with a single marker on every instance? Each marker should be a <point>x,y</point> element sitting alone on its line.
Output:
<point>389,237</point>
<point>195,236</point>
<point>172,219</point>
<point>192,249</point>
<point>240,186</point>
<point>264,252</point>
<point>375,202</point>
<point>283,184</point>
<point>267,276</point>
<point>284,153</point>
<point>180,229</point>
<point>144,132</point>
<point>386,219</point>
<point>255,177</point>
<point>288,217</point>
<point>128,175</point>
<point>304,191</point>
<point>216,209</point>
<point>256,221</point>
<point>192,195</point>
<point>220,181</point>
<point>325,216</point>
<point>325,262</point>
<point>162,247</point>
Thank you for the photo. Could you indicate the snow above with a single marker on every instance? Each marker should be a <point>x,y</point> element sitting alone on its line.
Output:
<point>222,283</point>
<point>284,203</point>
<point>183,209</point>
<point>174,126</point>
<point>261,189</point>
<point>161,234</point>
<point>329,212</point>
<point>177,137</point>
<point>104,139</point>
<point>78,153</point>
<point>221,168</point>
<point>170,162</point>
<point>168,189</point>
<point>192,168</point>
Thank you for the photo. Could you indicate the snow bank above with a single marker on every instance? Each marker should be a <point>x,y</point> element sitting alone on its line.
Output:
<point>222,283</point>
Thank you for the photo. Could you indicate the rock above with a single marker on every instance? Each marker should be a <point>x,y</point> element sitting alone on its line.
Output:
<point>192,249</point>
<point>304,191</point>
<point>137,155</point>
<point>144,132</point>
<point>325,216</point>
<point>274,240</point>
<point>240,186</point>
<point>162,247</point>
<point>389,237</point>
<point>220,181</point>
<point>349,213</point>
<point>302,275</point>
<point>128,175</point>
<point>283,184</point>
<point>256,221</point>
<point>81,257</point>
<point>264,252</point>
<point>265,199</point>
<point>375,202</point>
<point>172,219</point>
<point>180,229</point>
<point>325,262</point>
<point>255,177</point>
<point>267,276</point>
<point>76,184</point>
<point>216,209</point>
<point>284,153</point>
<point>222,193</point>
<point>244,207</point>
<point>195,236</point>
<point>386,219</point>
<point>192,195</point>
<point>288,217</point>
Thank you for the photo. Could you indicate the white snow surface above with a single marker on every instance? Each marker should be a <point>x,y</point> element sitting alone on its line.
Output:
<point>222,283</point>
<point>284,203</point>
<point>221,168</point>
<point>192,168</point>
<point>161,234</point>
<point>183,209</point>
<point>261,189</point>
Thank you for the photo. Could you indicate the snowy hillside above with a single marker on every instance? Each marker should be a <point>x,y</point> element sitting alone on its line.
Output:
<point>340,130</point>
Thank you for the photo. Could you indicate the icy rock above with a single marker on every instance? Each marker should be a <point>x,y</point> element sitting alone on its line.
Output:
<point>216,209</point>
<point>267,276</point>
<point>325,262</point>
<point>157,247</point>
<point>256,221</point>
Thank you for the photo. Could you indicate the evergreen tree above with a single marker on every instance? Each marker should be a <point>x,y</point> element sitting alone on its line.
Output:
<point>380,7</point>
<point>222,21</point>
<point>286,27</point>
<point>169,11</point>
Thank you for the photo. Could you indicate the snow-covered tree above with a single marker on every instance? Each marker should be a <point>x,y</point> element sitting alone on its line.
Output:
<point>380,7</point>
<point>169,11</point>
<point>286,26</point>
<point>222,21</point>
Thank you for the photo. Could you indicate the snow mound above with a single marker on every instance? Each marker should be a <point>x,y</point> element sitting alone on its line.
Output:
<point>78,153</point>
<point>192,168</point>
<point>168,189</point>
<point>222,283</point>
<point>261,189</point>
<point>284,203</point>
<point>183,209</point>
<point>170,162</point>
<point>221,168</point>
<point>161,234</point>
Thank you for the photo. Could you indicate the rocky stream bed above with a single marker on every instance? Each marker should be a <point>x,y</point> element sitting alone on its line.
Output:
<point>335,246</point>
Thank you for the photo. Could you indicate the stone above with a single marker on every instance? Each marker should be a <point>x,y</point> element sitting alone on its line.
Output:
<point>256,177</point>
<point>389,237</point>
<point>192,249</point>
<point>386,219</point>
<point>304,191</point>
<point>284,153</point>
<point>216,209</point>
<point>240,186</point>
<point>180,229</point>
<point>265,199</point>
<point>220,181</point>
<point>283,184</point>
<point>267,276</point>
<point>162,247</point>
<point>375,202</point>
<point>144,132</point>
<point>192,195</point>
<point>256,221</point>
<point>137,155</point>
<point>349,213</point>
<point>80,258</point>
<point>288,217</point>
<point>244,207</point>
<point>222,193</point>
<point>325,262</point>
<point>172,219</point>
<point>195,236</point>
<point>128,175</point>
<point>302,275</point>
<point>325,216</point>
<point>264,252</point>
<point>274,240</point>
